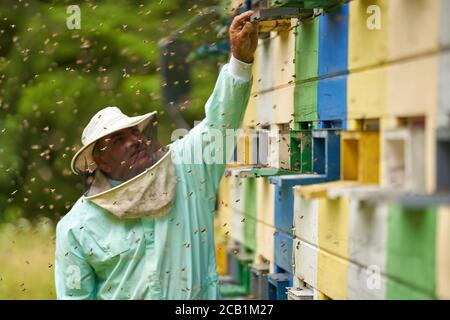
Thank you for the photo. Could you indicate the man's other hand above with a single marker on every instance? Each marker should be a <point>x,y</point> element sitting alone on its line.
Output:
<point>244,37</point>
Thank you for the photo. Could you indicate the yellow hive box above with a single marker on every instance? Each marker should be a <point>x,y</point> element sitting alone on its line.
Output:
<point>368,45</point>
<point>250,113</point>
<point>366,96</point>
<point>360,157</point>
<point>443,253</point>
<point>284,75</point>
<point>413,28</point>
<point>264,245</point>
<point>265,207</point>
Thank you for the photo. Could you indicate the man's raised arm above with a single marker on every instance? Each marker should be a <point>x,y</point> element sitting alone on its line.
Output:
<point>225,107</point>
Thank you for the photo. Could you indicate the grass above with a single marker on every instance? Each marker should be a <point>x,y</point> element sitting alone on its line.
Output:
<point>27,261</point>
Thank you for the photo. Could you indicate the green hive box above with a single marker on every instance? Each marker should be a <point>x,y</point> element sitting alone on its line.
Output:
<point>301,151</point>
<point>306,71</point>
<point>250,213</point>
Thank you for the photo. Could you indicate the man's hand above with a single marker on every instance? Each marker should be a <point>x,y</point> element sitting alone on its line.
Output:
<point>243,37</point>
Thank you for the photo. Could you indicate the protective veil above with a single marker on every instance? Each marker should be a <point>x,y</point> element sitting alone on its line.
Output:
<point>150,193</point>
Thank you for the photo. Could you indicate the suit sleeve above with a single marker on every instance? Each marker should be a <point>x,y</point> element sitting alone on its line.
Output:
<point>210,144</point>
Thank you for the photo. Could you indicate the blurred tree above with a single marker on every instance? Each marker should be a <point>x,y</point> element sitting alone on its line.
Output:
<point>52,80</point>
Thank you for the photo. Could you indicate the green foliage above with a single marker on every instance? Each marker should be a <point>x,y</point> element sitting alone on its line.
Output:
<point>52,80</point>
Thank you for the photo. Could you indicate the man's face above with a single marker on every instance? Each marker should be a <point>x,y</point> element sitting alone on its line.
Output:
<point>123,154</point>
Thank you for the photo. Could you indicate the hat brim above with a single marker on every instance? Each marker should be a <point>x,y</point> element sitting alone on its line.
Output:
<point>83,161</point>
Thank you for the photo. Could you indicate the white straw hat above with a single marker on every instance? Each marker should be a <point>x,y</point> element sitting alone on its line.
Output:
<point>104,122</point>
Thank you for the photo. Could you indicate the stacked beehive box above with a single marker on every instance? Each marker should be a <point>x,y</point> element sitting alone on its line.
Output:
<point>357,204</point>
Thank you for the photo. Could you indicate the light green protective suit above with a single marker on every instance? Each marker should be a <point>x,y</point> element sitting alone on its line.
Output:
<point>100,256</point>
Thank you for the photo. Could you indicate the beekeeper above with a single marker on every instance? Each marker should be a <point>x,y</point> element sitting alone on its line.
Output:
<point>145,227</point>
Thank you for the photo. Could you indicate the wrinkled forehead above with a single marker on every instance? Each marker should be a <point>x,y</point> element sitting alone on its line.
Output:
<point>119,133</point>
<point>123,132</point>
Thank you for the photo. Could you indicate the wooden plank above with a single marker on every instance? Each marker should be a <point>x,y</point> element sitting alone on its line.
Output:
<point>284,209</point>
<point>361,156</point>
<point>430,155</point>
<point>367,46</point>
<point>333,226</point>
<point>314,191</point>
<point>306,215</point>
<point>237,215</point>
<point>350,157</point>
<point>332,275</point>
<point>283,251</point>
<point>367,239</point>
<point>237,228</point>
<point>327,153</point>
<point>279,144</point>
<point>307,50</point>
<point>283,105</point>
<point>266,70</point>
<point>284,75</point>
<point>403,161</point>
<point>305,262</point>
<point>320,295</point>
<point>332,101</point>
<point>265,208</point>
<point>250,118</point>
<point>337,278</point>
<point>223,213</point>
<point>443,253</point>
<point>297,179</point>
<point>369,158</point>
<point>249,186</point>
<point>367,95</point>
<point>333,41</point>
<point>305,102</point>
<point>264,108</point>
<point>395,152</point>
<point>222,224</point>
<point>445,24</point>
<point>306,68</point>
<point>365,283</point>
<point>265,81</point>
<point>397,290</point>
<point>321,190</point>
<point>296,150</point>
<point>232,261</point>
<point>221,258</point>
<point>324,223</point>
<point>443,160</point>
<point>410,95</point>
<point>302,294</point>
<point>283,56</point>
<point>306,151</point>
<point>408,39</point>
<point>411,251</point>
<point>278,284</point>
<point>444,94</point>
<point>246,147</point>
<point>265,244</point>
<point>357,191</point>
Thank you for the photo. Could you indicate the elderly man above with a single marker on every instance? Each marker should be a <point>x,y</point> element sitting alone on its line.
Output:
<point>145,227</point>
